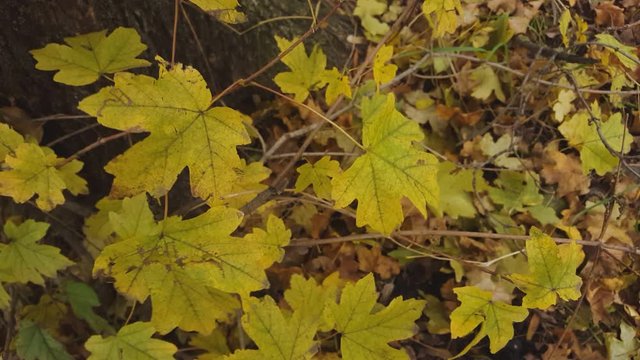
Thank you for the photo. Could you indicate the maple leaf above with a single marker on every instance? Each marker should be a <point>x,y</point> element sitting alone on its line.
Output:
<point>515,190</point>
<point>188,267</point>
<point>35,170</point>
<point>383,72</point>
<point>280,334</point>
<point>390,169</point>
<point>367,11</point>
<point>625,53</point>
<point>9,141</point>
<point>306,71</point>
<point>366,329</point>
<point>35,343</point>
<point>87,57</point>
<point>563,105</point>
<point>83,299</point>
<point>446,14</point>
<point>132,341</point>
<point>48,313</point>
<point>337,84</point>
<point>23,260</point>
<point>478,307</point>
<point>627,347</point>
<point>246,187</point>
<point>5,298</point>
<point>564,170</point>
<point>185,132</point>
<point>583,135</point>
<point>223,10</point>
<point>500,150</point>
<point>486,82</point>
<point>552,271</point>
<point>455,188</point>
<point>318,174</point>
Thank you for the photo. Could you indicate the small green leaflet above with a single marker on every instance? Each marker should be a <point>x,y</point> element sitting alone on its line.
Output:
<point>132,342</point>
<point>35,343</point>
<point>367,327</point>
<point>23,260</point>
<point>86,57</point>
<point>456,185</point>
<point>281,334</point>
<point>390,169</point>
<point>515,190</point>
<point>552,271</point>
<point>83,299</point>
<point>319,174</point>
<point>188,267</point>
<point>185,132</point>
<point>478,307</point>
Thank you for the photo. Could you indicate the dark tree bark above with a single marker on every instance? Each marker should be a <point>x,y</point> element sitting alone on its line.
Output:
<point>224,56</point>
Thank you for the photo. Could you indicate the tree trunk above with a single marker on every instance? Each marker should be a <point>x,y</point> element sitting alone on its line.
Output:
<point>223,57</point>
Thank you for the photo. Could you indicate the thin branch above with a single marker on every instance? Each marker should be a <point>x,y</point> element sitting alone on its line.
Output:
<point>455,233</point>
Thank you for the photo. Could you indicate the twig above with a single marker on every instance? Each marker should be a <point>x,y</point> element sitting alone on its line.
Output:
<point>455,233</point>
<point>176,14</point>
<point>97,143</point>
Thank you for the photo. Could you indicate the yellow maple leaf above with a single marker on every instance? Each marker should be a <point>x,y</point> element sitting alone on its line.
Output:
<point>478,307</point>
<point>185,132</point>
<point>318,174</point>
<point>390,169</point>
<point>337,84</point>
<point>188,267</point>
<point>446,15</point>
<point>306,71</point>
<point>365,331</point>
<point>132,341</point>
<point>88,56</point>
<point>383,72</point>
<point>223,10</point>
<point>552,271</point>
<point>36,170</point>
<point>486,82</point>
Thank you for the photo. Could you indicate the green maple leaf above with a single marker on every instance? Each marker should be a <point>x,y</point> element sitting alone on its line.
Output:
<point>83,299</point>
<point>552,271</point>
<point>31,170</point>
<point>188,267</point>
<point>35,343</point>
<point>583,135</point>
<point>383,72</point>
<point>515,191</point>
<point>390,169</point>
<point>133,342</point>
<point>185,132</point>
<point>456,186</point>
<point>86,57</point>
<point>307,72</point>
<point>367,328</point>
<point>478,307</point>
<point>625,348</point>
<point>281,334</point>
<point>223,10</point>
<point>23,260</point>
<point>318,174</point>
